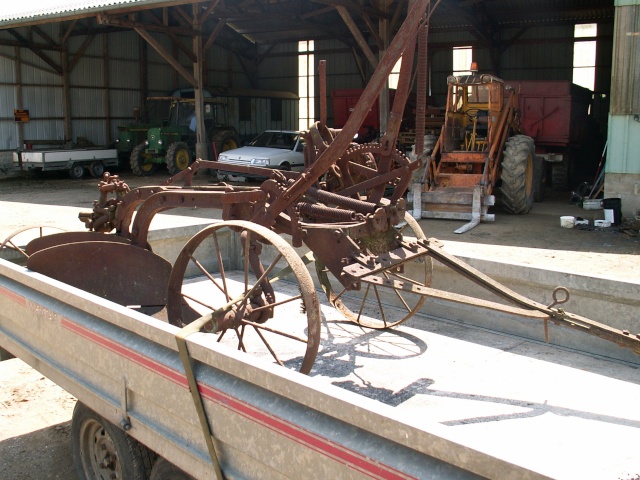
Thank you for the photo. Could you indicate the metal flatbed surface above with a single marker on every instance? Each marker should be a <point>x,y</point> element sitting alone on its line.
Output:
<point>563,414</point>
<point>554,411</point>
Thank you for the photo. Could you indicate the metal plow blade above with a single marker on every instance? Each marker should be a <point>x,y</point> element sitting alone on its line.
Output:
<point>116,271</point>
<point>61,238</point>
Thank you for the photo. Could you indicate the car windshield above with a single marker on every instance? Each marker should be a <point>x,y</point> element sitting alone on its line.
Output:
<point>285,140</point>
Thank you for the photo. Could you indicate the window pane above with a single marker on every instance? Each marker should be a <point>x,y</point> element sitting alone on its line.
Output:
<point>584,54</point>
<point>585,77</point>
<point>586,30</point>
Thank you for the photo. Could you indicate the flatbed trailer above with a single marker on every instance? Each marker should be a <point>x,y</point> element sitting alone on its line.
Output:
<point>266,421</point>
<point>270,422</point>
<point>75,160</point>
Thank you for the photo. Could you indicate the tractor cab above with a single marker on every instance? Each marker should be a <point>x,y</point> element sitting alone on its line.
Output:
<point>474,103</point>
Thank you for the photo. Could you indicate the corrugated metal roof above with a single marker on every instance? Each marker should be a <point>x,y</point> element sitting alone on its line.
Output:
<point>19,11</point>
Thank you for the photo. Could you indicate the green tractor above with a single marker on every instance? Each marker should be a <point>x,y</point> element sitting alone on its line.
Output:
<point>132,134</point>
<point>174,144</point>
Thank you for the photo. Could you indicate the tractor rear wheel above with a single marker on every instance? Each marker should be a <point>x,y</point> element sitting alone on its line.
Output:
<point>225,140</point>
<point>517,174</point>
<point>137,162</point>
<point>178,157</point>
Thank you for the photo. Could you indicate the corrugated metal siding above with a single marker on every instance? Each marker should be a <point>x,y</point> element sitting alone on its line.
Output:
<point>7,67</point>
<point>624,145</point>
<point>261,117</point>
<point>625,79</point>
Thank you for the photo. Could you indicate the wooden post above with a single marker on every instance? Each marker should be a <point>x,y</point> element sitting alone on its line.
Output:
<point>198,74</point>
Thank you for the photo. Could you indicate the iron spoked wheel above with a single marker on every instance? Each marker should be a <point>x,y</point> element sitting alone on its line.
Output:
<point>246,311</point>
<point>178,157</point>
<point>101,451</point>
<point>387,305</point>
<point>22,236</point>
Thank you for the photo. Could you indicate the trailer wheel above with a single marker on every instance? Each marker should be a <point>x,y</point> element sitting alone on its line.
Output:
<point>103,451</point>
<point>281,326</point>
<point>96,169</point>
<point>178,157</point>
<point>517,174</point>
<point>76,171</point>
<point>165,470</point>
<point>137,162</point>
<point>371,306</point>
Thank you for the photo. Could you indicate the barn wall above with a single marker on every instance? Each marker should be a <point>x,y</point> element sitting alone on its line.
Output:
<point>103,93</point>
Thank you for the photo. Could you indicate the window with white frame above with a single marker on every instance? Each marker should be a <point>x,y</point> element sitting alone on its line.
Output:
<point>584,55</point>
<point>306,84</point>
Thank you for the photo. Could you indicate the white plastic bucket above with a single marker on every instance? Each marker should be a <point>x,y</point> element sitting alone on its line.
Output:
<point>567,222</point>
<point>609,215</point>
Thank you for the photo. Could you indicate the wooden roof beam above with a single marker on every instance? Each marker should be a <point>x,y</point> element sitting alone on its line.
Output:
<point>167,56</point>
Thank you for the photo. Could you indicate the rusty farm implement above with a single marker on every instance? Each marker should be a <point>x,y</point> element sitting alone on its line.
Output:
<point>347,208</point>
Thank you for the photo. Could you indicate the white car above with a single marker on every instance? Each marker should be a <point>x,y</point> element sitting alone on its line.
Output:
<point>278,149</point>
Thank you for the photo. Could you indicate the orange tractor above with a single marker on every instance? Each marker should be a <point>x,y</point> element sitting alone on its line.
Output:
<point>478,147</point>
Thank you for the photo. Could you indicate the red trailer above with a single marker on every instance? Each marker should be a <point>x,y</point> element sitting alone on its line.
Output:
<point>344,102</point>
<point>556,115</point>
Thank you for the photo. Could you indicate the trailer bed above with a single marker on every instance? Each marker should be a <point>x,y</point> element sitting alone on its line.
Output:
<point>431,399</point>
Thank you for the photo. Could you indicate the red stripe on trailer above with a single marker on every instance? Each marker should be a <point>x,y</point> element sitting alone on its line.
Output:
<point>322,445</point>
<point>13,296</point>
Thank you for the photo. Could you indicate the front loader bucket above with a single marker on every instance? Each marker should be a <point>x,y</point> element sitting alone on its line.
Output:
<point>116,271</point>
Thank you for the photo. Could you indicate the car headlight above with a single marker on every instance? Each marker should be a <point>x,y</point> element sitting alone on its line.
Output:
<point>160,142</point>
<point>128,140</point>
<point>259,161</point>
<point>117,140</point>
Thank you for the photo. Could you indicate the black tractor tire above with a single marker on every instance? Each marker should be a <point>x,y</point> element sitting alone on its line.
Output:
<point>102,450</point>
<point>138,165</point>
<point>539,178</point>
<point>165,470</point>
<point>225,140</point>
<point>517,174</point>
<point>179,157</point>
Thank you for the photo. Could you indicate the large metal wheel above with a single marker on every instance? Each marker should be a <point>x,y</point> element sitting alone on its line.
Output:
<point>138,163</point>
<point>101,451</point>
<point>237,291</point>
<point>178,157</point>
<point>386,305</point>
